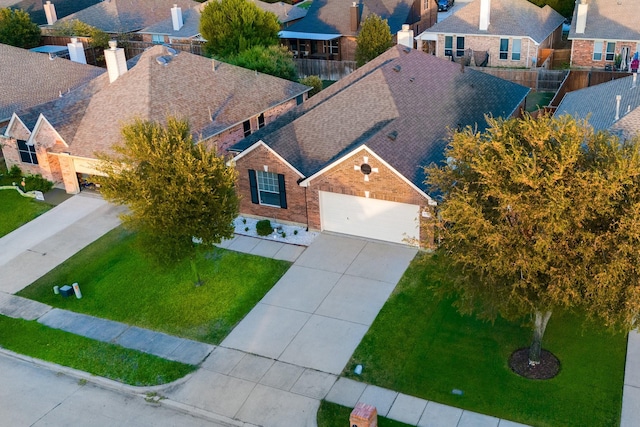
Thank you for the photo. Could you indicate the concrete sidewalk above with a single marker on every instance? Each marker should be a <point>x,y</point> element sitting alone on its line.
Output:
<point>631,391</point>
<point>37,247</point>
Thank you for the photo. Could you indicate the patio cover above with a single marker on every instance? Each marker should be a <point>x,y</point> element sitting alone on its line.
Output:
<point>307,36</point>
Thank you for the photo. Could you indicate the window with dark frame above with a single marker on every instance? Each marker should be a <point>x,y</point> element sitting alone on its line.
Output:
<point>459,46</point>
<point>27,152</point>
<point>504,48</point>
<point>247,128</point>
<point>611,51</point>
<point>267,188</point>
<point>448,45</point>
<point>261,121</point>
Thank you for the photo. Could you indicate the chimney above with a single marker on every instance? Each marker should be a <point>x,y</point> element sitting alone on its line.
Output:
<point>485,8</point>
<point>618,98</point>
<point>76,51</point>
<point>581,18</point>
<point>176,17</point>
<point>355,17</point>
<point>116,61</point>
<point>50,12</point>
<point>405,36</point>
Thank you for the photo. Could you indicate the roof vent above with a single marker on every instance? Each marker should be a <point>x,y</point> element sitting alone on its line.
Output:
<point>163,60</point>
<point>406,49</point>
<point>397,68</point>
<point>412,79</point>
<point>392,135</point>
<point>171,51</point>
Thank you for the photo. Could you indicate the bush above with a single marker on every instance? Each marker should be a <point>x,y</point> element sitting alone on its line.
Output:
<point>264,227</point>
<point>15,171</point>
<point>37,183</point>
<point>314,82</point>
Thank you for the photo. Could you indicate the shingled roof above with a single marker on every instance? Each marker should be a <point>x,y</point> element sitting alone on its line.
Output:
<point>402,105</point>
<point>609,20</point>
<point>333,16</point>
<point>516,18</point>
<point>35,8</point>
<point>30,78</point>
<point>125,16</point>
<point>598,103</point>
<point>89,119</point>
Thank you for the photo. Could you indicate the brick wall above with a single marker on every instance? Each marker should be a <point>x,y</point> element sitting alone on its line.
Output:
<point>528,50</point>
<point>582,53</point>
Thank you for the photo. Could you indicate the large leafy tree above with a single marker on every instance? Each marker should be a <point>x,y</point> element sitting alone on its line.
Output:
<point>17,29</point>
<point>540,214</point>
<point>75,27</point>
<point>180,195</point>
<point>373,39</point>
<point>232,26</point>
<point>273,60</point>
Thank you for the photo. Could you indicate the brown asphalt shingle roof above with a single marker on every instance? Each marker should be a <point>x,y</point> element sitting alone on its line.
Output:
<point>517,18</point>
<point>410,94</point>
<point>89,119</point>
<point>609,20</point>
<point>124,16</point>
<point>35,8</point>
<point>31,78</point>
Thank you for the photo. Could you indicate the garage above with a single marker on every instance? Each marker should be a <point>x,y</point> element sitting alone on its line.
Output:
<point>371,218</point>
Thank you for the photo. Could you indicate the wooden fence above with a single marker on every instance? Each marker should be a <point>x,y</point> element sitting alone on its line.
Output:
<point>538,79</point>
<point>579,79</point>
<point>327,70</point>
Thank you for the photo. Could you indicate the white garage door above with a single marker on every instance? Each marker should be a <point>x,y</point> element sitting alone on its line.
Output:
<point>375,219</point>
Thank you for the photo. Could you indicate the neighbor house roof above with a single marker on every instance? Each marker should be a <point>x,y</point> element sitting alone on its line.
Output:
<point>124,16</point>
<point>516,18</point>
<point>598,103</point>
<point>31,78</point>
<point>189,29</point>
<point>89,119</point>
<point>609,20</point>
<point>334,17</point>
<point>402,105</point>
<point>35,8</point>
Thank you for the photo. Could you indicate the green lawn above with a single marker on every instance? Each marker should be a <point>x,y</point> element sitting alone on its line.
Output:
<point>16,210</point>
<point>422,347</point>
<point>119,282</point>
<point>98,358</point>
<point>536,100</point>
<point>332,415</point>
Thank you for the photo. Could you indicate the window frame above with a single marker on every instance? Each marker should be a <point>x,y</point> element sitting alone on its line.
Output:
<point>598,47</point>
<point>516,49</point>
<point>275,188</point>
<point>261,121</point>
<point>448,45</point>
<point>504,49</point>
<point>459,47</point>
<point>610,55</point>
<point>157,38</point>
<point>246,128</point>
<point>28,153</point>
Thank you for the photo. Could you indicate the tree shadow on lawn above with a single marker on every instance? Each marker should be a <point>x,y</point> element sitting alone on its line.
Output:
<point>421,346</point>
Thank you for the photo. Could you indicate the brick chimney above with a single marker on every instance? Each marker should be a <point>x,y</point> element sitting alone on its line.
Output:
<point>355,17</point>
<point>116,61</point>
<point>176,17</point>
<point>50,12</point>
<point>485,9</point>
<point>76,51</point>
<point>405,36</point>
<point>581,18</point>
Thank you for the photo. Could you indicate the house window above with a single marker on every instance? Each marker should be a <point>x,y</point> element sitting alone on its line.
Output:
<point>504,48</point>
<point>267,188</point>
<point>261,121</point>
<point>27,152</point>
<point>515,49</point>
<point>247,128</point>
<point>448,45</point>
<point>611,49</point>
<point>459,46</point>
<point>157,38</point>
<point>597,50</point>
<point>331,47</point>
<point>299,99</point>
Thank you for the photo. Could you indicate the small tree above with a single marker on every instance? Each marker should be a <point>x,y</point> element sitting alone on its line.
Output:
<point>74,27</point>
<point>273,60</point>
<point>315,82</point>
<point>374,39</point>
<point>540,214</point>
<point>17,29</point>
<point>180,195</point>
<point>232,26</point>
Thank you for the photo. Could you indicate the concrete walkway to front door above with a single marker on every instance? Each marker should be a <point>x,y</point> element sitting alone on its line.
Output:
<point>318,312</point>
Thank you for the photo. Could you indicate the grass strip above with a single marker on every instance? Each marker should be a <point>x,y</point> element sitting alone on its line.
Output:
<point>95,357</point>
<point>332,414</point>
<point>16,210</point>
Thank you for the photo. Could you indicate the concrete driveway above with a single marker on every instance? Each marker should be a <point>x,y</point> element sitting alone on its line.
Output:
<point>318,312</point>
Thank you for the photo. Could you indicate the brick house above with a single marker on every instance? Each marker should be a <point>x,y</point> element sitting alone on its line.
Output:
<point>603,29</point>
<point>222,102</point>
<point>31,78</point>
<point>612,106</point>
<point>351,158</point>
<point>496,33</point>
<point>184,25</point>
<point>330,28</point>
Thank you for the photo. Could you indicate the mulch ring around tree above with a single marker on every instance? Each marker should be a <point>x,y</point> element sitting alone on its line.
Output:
<point>548,367</point>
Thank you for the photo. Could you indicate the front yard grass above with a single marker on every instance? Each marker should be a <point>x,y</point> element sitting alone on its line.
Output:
<point>119,282</point>
<point>332,415</point>
<point>95,357</point>
<point>421,346</point>
<point>16,210</point>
